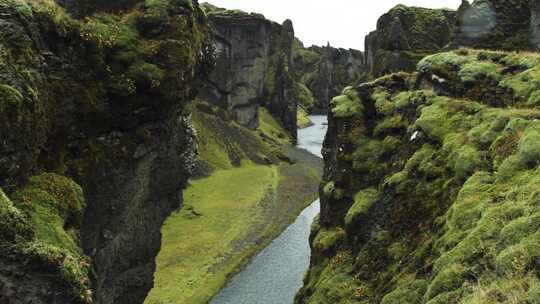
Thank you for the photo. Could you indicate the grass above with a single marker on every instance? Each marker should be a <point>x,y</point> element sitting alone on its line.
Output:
<point>302,119</point>
<point>192,267</point>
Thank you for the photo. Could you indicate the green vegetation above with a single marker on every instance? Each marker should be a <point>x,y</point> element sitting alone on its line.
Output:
<point>346,105</point>
<point>363,201</point>
<point>250,203</point>
<point>302,119</point>
<point>193,266</point>
<point>39,228</point>
<point>446,205</point>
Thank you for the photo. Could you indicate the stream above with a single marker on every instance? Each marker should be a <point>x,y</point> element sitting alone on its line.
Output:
<point>276,274</point>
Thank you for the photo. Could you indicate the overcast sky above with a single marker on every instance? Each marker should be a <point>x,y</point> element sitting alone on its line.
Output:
<point>343,23</point>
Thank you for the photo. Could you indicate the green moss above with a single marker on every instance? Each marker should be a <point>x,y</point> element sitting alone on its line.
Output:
<point>14,226</point>
<point>443,62</point>
<point>382,101</point>
<point>524,84</point>
<point>529,146</point>
<point>390,125</point>
<point>302,119</point>
<point>107,30</point>
<point>11,101</point>
<point>446,281</point>
<point>146,75</point>
<point>363,201</point>
<point>73,269</point>
<point>328,239</point>
<point>475,70</point>
<point>347,105</point>
<point>54,205</point>
<point>412,293</point>
<point>304,96</point>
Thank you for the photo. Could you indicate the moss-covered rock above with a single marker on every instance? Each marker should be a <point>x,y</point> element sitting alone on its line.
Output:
<point>438,172</point>
<point>405,35</point>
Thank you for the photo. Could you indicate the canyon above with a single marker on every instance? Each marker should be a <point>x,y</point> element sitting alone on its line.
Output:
<point>112,112</point>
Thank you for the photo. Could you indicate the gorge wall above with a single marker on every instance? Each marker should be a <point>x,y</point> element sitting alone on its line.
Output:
<point>324,72</point>
<point>94,106</point>
<point>405,35</point>
<point>254,68</point>
<point>431,176</point>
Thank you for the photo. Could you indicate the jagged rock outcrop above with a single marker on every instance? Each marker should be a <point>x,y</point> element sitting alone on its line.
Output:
<point>495,24</point>
<point>405,35</point>
<point>430,191</point>
<point>94,106</point>
<point>325,71</point>
<point>253,67</point>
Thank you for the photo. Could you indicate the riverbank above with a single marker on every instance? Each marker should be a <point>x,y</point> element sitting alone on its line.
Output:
<point>233,212</point>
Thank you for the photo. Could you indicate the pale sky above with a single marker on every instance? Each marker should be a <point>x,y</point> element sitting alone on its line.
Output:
<point>343,23</point>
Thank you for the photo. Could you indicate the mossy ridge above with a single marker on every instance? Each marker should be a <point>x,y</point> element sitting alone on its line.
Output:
<point>40,230</point>
<point>454,188</point>
<point>491,77</point>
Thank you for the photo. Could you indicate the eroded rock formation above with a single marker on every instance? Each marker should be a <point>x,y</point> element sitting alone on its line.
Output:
<point>254,68</point>
<point>100,101</point>
<point>430,186</point>
<point>405,35</point>
<point>325,71</point>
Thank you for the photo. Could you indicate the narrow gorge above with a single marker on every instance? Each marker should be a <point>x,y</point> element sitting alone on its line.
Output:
<point>167,151</point>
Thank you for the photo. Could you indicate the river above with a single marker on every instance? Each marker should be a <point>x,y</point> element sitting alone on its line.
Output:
<point>275,275</point>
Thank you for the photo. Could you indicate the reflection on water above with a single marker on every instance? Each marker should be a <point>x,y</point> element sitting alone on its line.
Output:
<point>275,275</point>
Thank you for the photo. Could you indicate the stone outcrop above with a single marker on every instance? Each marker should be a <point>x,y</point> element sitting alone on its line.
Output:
<point>405,35</point>
<point>325,71</point>
<point>495,24</point>
<point>429,186</point>
<point>254,67</point>
<point>99,101</point>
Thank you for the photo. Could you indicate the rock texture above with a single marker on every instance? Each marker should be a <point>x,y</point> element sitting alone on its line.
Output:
<point>325,71</point>
<point>254,67</point>
<point>496,24</point>
<point>430,187</point>
<point>101,100</point>
<point>405,35</point>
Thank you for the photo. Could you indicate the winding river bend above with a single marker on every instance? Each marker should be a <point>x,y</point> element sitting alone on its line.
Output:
<point>275,275</point>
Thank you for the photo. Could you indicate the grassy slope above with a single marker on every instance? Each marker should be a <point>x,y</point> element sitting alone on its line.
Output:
<point>229,203</point>
<point>232,214</point>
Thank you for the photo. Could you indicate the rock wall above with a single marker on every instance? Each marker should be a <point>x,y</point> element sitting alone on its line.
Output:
<point>100,101</point>
<point>405,35</point>
<point>253,68</point>
<point>430,185</point>
<point>495,24</point>
<point>325,71</point>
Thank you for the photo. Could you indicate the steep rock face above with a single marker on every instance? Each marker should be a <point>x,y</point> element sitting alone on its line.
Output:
<point>430,187</point>
<point>253,67</point>
<point>325,71</point>
<point>102,101</point>
<point>405,35</point>
<point>496,24</point>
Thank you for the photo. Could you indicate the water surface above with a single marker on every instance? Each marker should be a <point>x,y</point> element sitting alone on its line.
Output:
<point>275,275</point>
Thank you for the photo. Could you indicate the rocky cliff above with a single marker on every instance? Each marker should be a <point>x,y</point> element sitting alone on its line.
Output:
<point>496,24</point>
<point>254,68</point>
<point>324,72</point>
<point>405,35</point>
<point>431,184</point>
<point>95,143</point>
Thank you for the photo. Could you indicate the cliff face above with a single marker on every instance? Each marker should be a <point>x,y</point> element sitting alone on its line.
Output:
<point>496,24</point>
<point>99,101</point>
<point>405,35</point>
<point>325,71</point>
<point>430,186</point>
<point>254,68</point>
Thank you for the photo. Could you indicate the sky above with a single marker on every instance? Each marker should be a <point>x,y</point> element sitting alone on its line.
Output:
<point>343,23</point>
